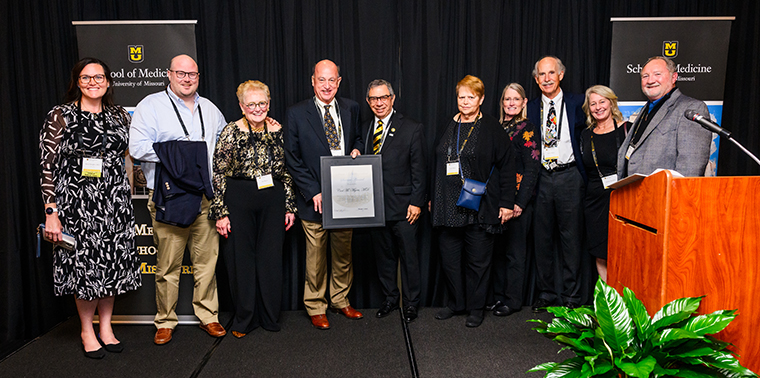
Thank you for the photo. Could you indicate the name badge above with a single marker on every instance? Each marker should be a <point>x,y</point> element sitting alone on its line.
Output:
<point>629,153</point>
<point>452,169</point>
<point>264,181</point>
<point>551,153</point>
<point>92,167</point>
<point>336,152</point>
<point>609,180</point>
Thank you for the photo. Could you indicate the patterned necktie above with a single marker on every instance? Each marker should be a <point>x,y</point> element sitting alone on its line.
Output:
<point>330,130</point>
<point>550,134</point>
<point>377,137</point>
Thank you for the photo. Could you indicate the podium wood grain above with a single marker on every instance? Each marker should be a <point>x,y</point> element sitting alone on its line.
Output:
<point>705,242</point>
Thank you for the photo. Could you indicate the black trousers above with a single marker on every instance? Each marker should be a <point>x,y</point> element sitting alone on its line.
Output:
<point>253,253</point>
<point>559,211</point>
<point>466,260</point>
<point>395,242</point>
<point>509,260</point>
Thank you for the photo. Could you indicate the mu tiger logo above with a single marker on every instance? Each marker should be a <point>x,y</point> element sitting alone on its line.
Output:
<point>136,53</point>
<point>670,49</point>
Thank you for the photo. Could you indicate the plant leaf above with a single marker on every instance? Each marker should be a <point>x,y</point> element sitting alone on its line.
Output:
<point>695,352</point>
<point>559,325</point>
<point>661,371</point>
<point>576,345</point>
<point>674,334</point>
<point>546,366</point>
<point>613,317</point>
<point>675,311</point>
<point>639,314</point>
<point>580,320</point>
<point>725,360</point>
<point>569,368</point>
<point>710,323</point>
<point>640,369</point>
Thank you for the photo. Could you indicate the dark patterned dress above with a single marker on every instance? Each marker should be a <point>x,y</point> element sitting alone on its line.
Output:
<point>96,211</point>
<point>252,251</point>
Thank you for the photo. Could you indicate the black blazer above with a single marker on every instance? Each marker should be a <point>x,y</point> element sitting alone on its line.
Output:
<point>182,179</point>
<point>576,118</point>
<point>305,142</point>
<point>404,173</point>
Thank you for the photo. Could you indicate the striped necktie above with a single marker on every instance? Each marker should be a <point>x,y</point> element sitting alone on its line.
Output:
<point>377,137</point>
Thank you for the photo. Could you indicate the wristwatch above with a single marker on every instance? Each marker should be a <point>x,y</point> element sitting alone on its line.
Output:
<point>51,210</point>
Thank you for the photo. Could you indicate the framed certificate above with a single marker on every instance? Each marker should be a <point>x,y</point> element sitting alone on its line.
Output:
<point>352,192</point>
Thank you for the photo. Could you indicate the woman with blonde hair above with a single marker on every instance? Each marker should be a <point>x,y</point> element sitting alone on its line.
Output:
<point>253,195</point>
<point>600,143</point>
<point>511,247</point>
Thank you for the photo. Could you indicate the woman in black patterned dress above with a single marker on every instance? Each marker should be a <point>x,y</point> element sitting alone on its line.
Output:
<point>253,194</point>
<point>87,194</point>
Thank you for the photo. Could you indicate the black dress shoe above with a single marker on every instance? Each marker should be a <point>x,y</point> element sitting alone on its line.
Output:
<point>475,318</point>
<point>111,348</point>
<point>410,313</point>
<point>494,306</point>
<point>444,313</point>
<point>504,310</point>
<point>540,305</point>
<point>386,309</point>
<point>571,305</point>
<point>95,354</point>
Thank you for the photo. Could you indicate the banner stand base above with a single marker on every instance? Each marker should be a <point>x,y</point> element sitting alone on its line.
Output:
<point>147,319</point>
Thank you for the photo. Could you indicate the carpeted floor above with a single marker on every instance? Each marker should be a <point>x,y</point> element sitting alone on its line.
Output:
<point>370,347</point>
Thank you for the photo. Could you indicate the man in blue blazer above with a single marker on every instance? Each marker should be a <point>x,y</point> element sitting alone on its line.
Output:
<point>322,126</point>
<point>559,201</point>
<point>399,141</point>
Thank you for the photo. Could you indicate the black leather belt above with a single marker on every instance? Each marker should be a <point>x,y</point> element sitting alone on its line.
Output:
<point>561,167</point>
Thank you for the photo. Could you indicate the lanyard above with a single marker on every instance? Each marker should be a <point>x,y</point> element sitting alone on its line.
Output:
<point>200,114</point>
<point>253,145</point>
<point>459,128</point>
<point>559,124</point>
<point>105,131</point>
<point>593,150</point>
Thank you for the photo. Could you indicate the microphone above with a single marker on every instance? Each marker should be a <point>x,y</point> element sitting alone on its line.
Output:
<point>707,123</point>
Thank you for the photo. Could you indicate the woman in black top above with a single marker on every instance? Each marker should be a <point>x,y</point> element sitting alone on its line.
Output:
<point>472,146</point>
<point>510,250</point>
<point>253,195</point>
<point>599,146</point>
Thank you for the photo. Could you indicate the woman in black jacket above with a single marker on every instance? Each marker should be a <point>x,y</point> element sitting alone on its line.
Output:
<point>472,146</point>
<point>510,251</point>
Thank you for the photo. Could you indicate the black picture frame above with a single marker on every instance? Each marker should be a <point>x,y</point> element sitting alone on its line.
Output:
<point>376,163</point>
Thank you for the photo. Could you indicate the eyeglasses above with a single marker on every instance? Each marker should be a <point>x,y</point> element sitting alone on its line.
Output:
<point>378,98</point>
<point>190,75</point>
<point>254,105</point>
<point>85,79</point>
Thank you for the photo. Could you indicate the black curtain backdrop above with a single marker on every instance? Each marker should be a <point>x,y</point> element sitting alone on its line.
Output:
<point>422,47</point>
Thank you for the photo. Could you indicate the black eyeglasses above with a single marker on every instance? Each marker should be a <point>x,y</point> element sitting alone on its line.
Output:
<point>85,79</point>
<point>378,98</point>
<point>190,75</point>
<point>254,105</point>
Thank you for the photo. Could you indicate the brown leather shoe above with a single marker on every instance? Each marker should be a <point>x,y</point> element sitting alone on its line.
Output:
<point>214,329</point>
<point>320,321</point>
<point>163,336</point>
<point>349,312</point>
<point>237,334</point>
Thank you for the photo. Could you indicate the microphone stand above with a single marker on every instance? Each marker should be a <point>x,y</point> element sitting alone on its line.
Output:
<point>745,150</point>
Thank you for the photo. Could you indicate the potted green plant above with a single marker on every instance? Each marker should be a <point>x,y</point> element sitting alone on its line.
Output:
<point>618,338</point>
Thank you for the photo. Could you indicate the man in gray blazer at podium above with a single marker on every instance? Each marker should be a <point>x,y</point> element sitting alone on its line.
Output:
<point>399,140</point>
<point>661,137</point>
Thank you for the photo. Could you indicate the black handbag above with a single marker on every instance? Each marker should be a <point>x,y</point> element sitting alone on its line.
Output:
<point>472,192</point>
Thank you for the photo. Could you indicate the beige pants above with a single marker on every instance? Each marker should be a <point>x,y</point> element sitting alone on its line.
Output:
<point>202,241</point>
<point>342,276</point>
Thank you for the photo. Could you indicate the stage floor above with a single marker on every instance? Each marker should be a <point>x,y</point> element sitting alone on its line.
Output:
<point>370,347</point>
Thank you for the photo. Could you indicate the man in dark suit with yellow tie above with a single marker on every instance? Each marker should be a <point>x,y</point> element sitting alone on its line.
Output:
<point>322,126</point>
<point>399,140</point>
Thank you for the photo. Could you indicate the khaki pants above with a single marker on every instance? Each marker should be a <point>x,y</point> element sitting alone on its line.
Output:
<point>202,241</point>
<point>342,276</point>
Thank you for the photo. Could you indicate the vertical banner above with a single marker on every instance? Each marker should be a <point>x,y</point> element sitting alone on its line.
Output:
<point>698,46</point>
<point>138,54</point>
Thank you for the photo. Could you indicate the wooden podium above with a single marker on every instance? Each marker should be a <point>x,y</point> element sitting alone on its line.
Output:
<point>685,237</point>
